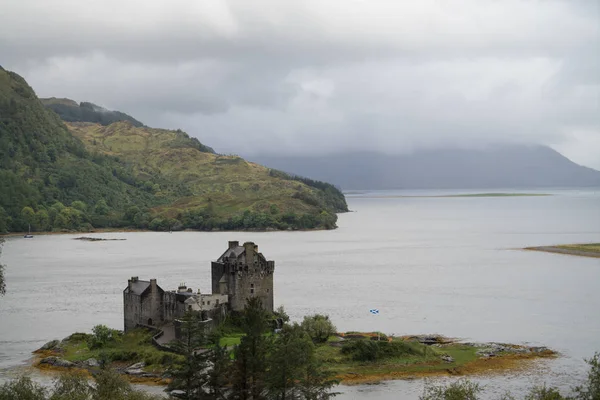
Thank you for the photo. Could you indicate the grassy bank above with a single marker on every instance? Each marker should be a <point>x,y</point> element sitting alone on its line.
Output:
<point>127,349</point>
<point>582,249</point>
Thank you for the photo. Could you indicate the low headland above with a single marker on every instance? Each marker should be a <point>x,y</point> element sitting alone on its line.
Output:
<point>459,195</point>
<point>582,249</point>
<point>351,357</point>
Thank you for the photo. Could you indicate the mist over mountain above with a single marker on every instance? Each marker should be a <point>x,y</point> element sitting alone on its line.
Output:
<point>501,166</point>
<point>71,111</point>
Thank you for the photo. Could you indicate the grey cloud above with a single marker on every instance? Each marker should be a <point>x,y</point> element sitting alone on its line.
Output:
<point>324,76</point>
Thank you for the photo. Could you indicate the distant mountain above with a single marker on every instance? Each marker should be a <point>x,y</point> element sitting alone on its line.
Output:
<point>70,111</point>
<point>78,175</point>
<point>505,166</point>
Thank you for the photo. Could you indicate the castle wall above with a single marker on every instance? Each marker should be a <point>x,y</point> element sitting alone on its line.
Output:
<point>171,309</point>
<point>132,306</point>
<point>152,306</point>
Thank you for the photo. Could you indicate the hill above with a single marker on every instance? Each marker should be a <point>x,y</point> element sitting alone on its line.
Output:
<point>121,175</point>
<point>502,166</point>
<point>69,110</point>
<point>222,186</point>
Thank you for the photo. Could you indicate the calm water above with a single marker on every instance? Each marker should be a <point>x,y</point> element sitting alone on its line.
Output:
<point>430,265</point>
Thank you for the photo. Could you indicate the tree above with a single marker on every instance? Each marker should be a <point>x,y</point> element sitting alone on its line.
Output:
<point>79,205</point>
<point>316,382</point>
<point>250,365</point>
<point>72,386</point>
<point>22,389</point>
<point>544,393</point>
<point>291,351</point>
<point>2,280</point>
<point>190,375</point>
<point>111,386</point>
<point>319,327</point>
<point>459,390</point>
<point>4,220</point>
<point>591,389</point>
<point>101,207</point>
<point>42,220</point>
<point>101,336</point>
<point>28,215</point>
<point>218,358</point>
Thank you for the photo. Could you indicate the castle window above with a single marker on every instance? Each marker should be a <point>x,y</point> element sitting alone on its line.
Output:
<point>267,290</point>
<point>252,288</point>
<point>208,303</point>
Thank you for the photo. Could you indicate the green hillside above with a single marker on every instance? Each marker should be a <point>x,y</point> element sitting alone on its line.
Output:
<point>219,186</point>
<point>121,175</point>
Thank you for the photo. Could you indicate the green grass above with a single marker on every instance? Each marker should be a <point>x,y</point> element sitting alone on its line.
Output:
<point>231,340</point>
<point>418,358</point>
<point>132,347</point>
<point>577,249</point>
<point>591,247</point>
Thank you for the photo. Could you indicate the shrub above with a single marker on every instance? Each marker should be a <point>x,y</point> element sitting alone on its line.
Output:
<point>369,350</point>
<point>459,390</point>
<point>101,336</point>
<point>318,327</point>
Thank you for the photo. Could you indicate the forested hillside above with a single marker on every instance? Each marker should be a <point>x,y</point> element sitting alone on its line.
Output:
<point>69,110</point>
<point>51,181</point>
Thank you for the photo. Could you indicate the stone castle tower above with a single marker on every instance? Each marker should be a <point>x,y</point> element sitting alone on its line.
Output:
<point>241,273</point>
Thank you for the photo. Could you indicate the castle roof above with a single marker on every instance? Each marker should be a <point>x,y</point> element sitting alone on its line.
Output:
<point>232,253</point>
<point>139,287</point>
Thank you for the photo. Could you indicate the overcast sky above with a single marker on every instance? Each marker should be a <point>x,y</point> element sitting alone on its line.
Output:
<point>324,75</point>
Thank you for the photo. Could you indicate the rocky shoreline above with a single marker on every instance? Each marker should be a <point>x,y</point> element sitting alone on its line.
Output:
<point>487,358</point>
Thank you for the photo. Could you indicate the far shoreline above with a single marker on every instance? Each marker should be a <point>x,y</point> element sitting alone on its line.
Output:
<point>445,196</point>
<point>127,230</point>
<point>581,250</point>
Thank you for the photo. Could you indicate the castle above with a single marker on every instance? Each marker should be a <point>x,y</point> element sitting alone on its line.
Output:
<point>241,272</point>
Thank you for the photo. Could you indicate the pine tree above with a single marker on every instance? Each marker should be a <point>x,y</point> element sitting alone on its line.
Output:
<point>190,376</point>
<point>218,357</point>
<point>250,365</point>
<point>292,350</point>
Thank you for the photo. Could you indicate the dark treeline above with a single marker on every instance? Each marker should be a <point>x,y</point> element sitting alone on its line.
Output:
<point>330,195</point>
<point>87,112</point>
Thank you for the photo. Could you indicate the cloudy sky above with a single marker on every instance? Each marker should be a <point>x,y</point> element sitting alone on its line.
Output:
<point>324,75</point>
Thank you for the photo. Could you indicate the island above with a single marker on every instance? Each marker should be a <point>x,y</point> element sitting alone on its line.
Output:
<point>351,357</point>
<point>582,250</point>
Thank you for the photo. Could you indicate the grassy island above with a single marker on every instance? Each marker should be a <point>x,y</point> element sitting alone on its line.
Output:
<point>583,249</point>
<point>351,358</point>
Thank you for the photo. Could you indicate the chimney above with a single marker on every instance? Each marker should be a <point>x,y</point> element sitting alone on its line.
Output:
<point>130,281</point>
<point>153,284</point>
<point>249,246</point>
<point>233,244</point>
